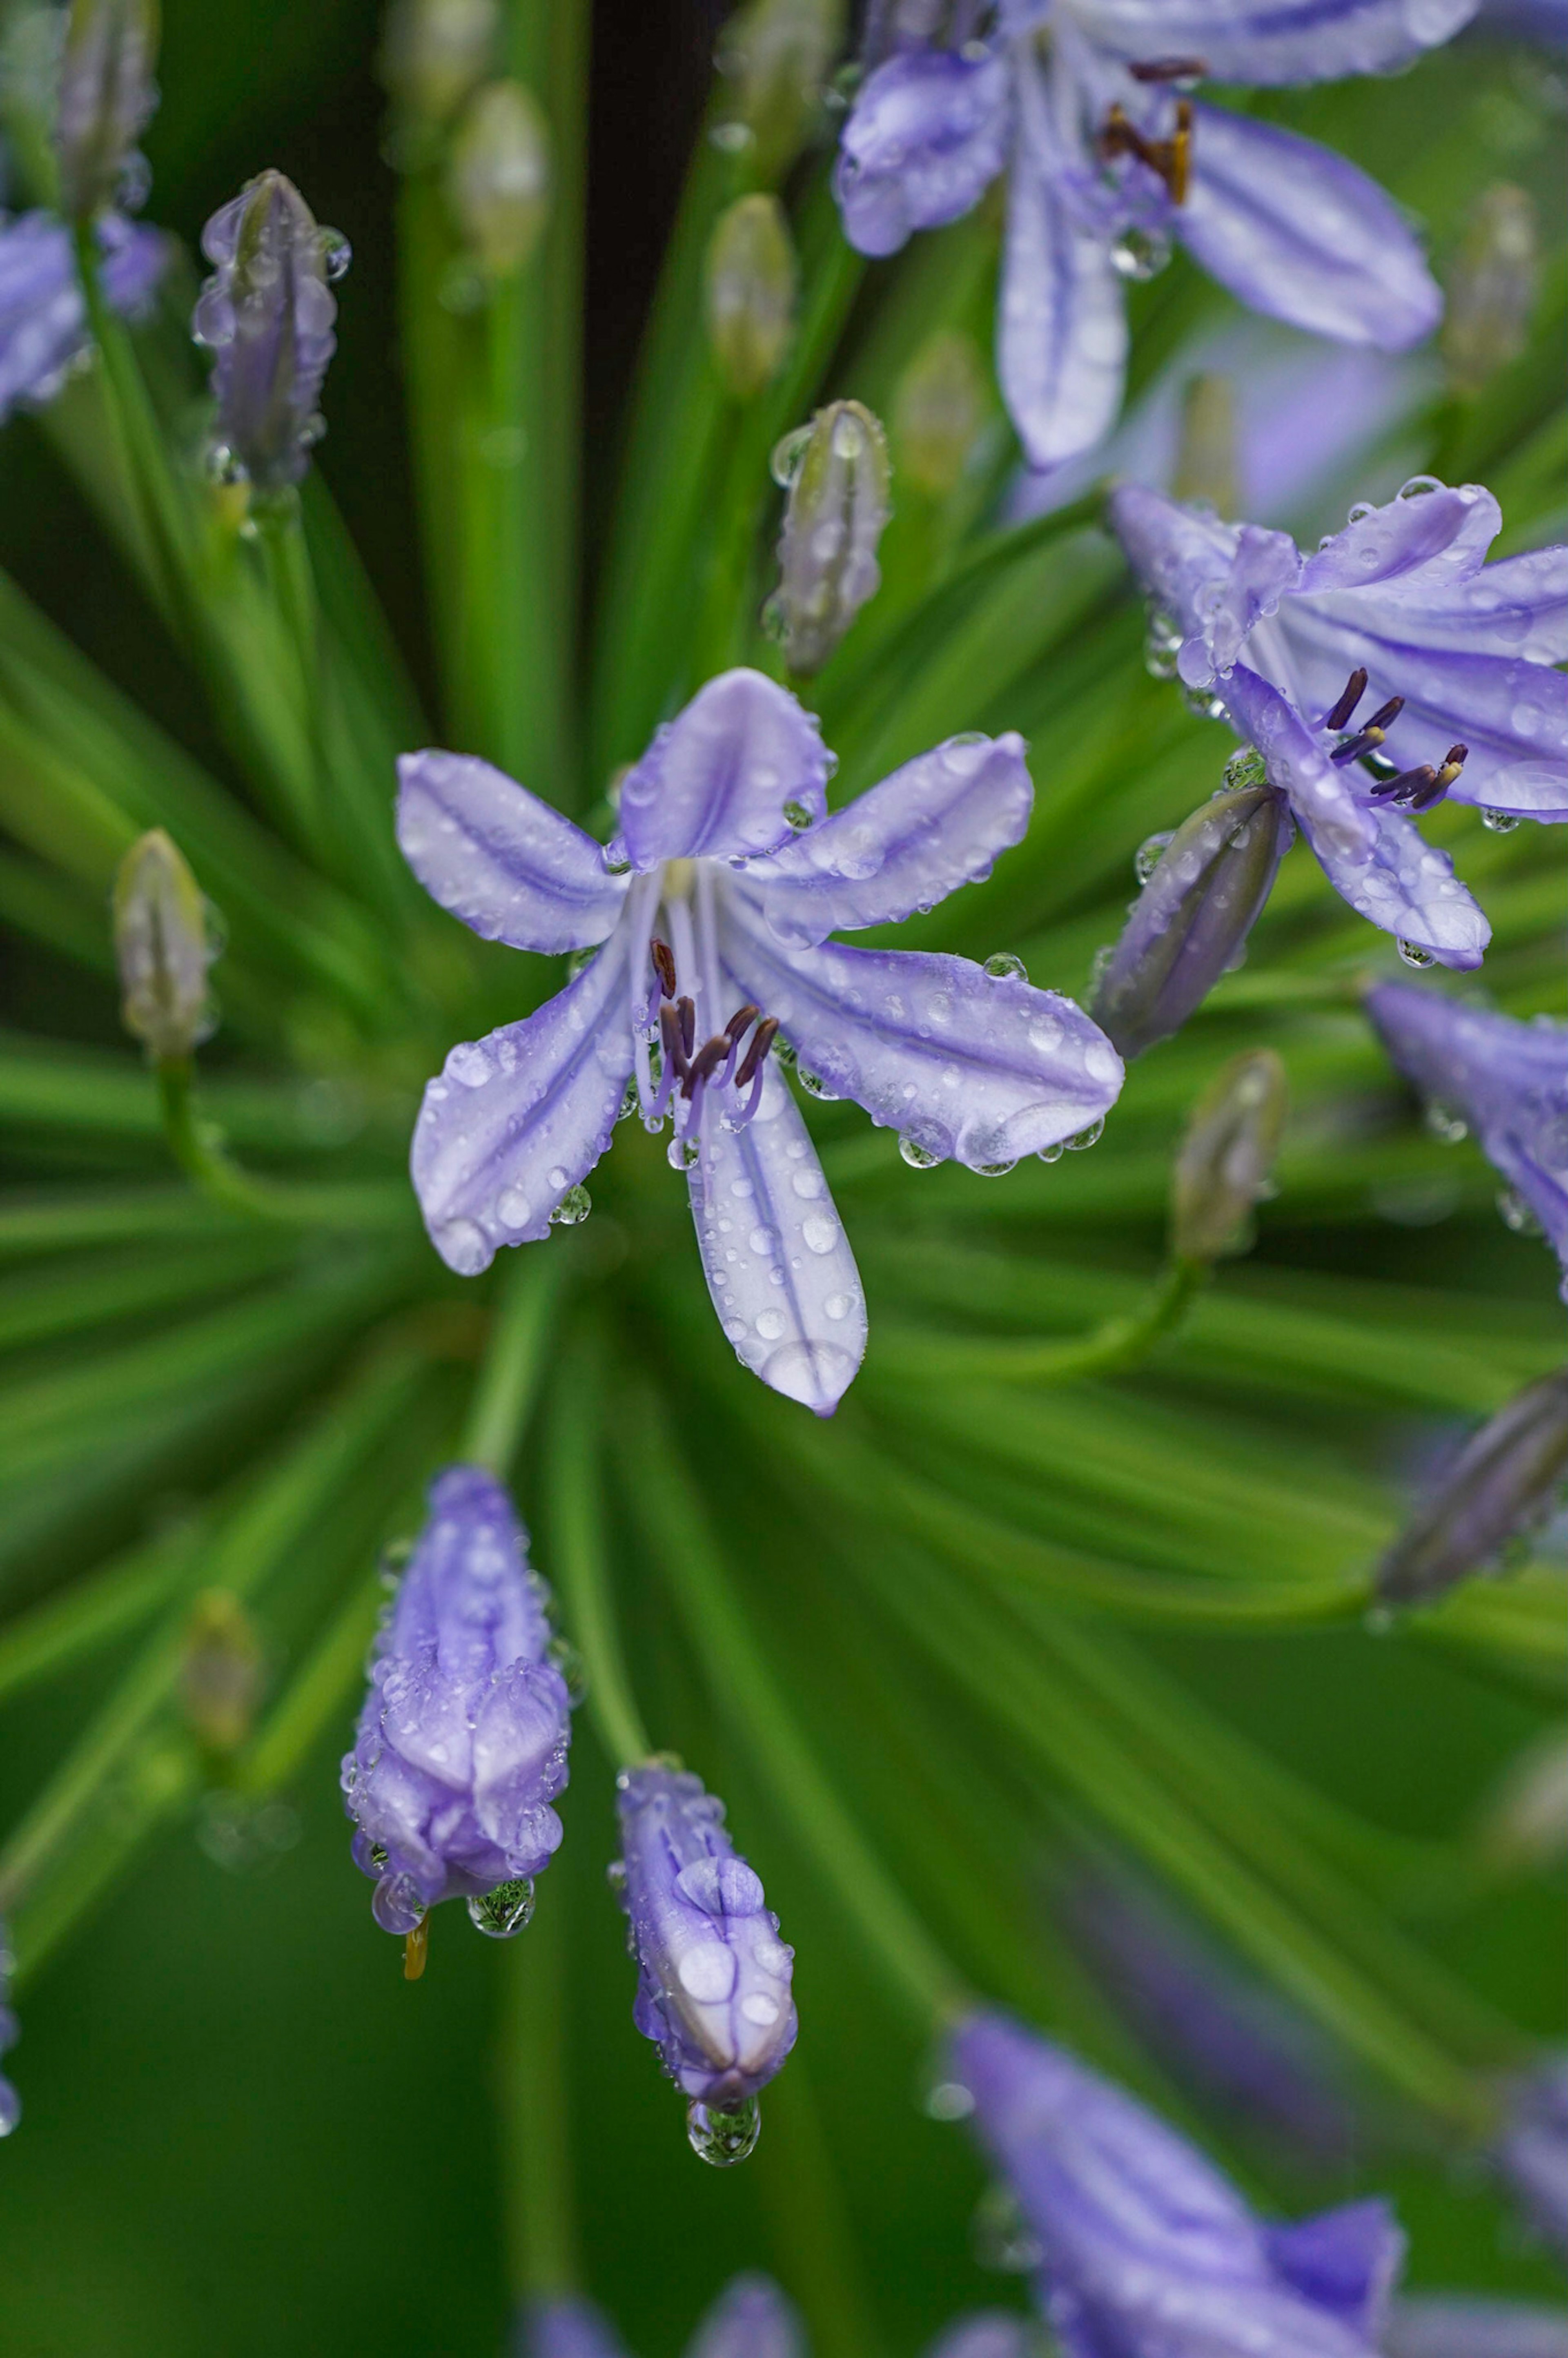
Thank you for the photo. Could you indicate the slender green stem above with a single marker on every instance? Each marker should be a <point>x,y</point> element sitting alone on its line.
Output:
<point>582,1553</point>
<point>513,1369</point>
<point>286,563</point>
<point>535,2112</point>
<point>197,1149</point>
<point>806,2212</point>
<point>914,1355</point>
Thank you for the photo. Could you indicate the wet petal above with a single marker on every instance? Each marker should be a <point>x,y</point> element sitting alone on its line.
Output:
<point>1315,40</point>
<point>509,865</point>
<point>43,321</point>
<point>717,779</point>
<point>513,1121</point>
<point>935,824</point>
<point>1416,546</point>
<point>925,138</point>
<point>1300,234</point>
<point>1517,606</point>
<point>1346,2261</point>
<point>778,1264</point>
<point>1216,580</point>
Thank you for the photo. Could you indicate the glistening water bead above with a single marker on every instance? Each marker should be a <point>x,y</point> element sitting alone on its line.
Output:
<point>721,2138</point>
<point>506,1911</point>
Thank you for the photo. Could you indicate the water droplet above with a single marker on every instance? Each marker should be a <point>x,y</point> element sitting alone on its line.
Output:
<point>569,1662</point>
<point>1413,953</point>
<point>787,453</point>
<point>995,1170</point>
<point>1052,1153</point>
<point>1140,254</point>
<point>506,1911</point>
<point>722,2139</point>
<point>1204,703</point>
<point>1150,853</point>
<point>731,139</point>
<point>1004,2239</point>
<point>1003,966</point>
<point>1517,1213</point>
<point>336,252</point>
<point>1162,644</point>
<point>1449,1126</point>
<point>397,1904</point>
<point>1246,768</point>
<point>1361,509</point>
<point>617,860</point>
<point>1418,487</point>
<point>949,2100</point>
<point>814,1085</point>
<point>573,1208</point>
<point>1378,1620</point>
<point>683,1153</point>
<point>918,1157</point>
<point>1090,1136</point>
<point>798,817</point>
<point>10,2108</point>
<point>1500,822</point>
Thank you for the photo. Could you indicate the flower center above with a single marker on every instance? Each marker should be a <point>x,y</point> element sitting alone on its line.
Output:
<point>1170,159</point>
<point>688,1072</point>
<point>1416,789</point>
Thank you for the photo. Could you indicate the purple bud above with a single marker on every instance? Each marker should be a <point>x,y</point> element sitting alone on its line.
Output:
<point>1503,1484</point>
<point>43,320</point>
<point>10,2031</point>
<point>267,313</point>
<point>461,1745</point>
<point>107,96</point>
<point>751,2319</point>
<point>1531,2153</point>
<point>1445,2325</point>
<point>989,2333</point>
<point>565,2328</point>
<point>1192,919</point>
<point>714,1987</point>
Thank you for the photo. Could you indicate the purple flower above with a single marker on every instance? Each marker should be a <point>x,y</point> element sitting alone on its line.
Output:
<point>1402,601</point>
<point>267,312</point>
<point>751,2319</point>
<point>1448,2325</point>
<point>1147,2251</point>
<point>461,1745</point>
<point>1083,103</point>
<point>1531,2152</point>
<point>713,909</point>
<point>1503,1484</point>
<point>10,2031</point>
<point>43,320</point>
<point>566,2327</point>
<point>1505,1080</point>
<point>989,2334</point>
<point>713,1990</point>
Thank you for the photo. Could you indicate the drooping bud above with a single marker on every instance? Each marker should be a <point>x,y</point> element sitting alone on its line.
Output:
<point>775,55</point>
<point>1192,919</point>
<point>10,2031</point>
<point>107,96</point>
<point>1503,1483</point>
<point>498,182</point>
<point>751,2319</point>
<point>435,52</point>
<point>750,288</point>
<point>222,1673</point>
<point>267,313</point>
<point>938,411</point>
<point>1206,454</point>
<point>164,941</point>
<point>1491,288</point>
<point>834,516</point>
<point>1226,1157</point>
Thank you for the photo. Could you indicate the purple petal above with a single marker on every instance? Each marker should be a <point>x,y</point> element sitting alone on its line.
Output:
<point>1423,544</point>
<point>925,138</point>
<point>509,865</point>
<point>1517,606</point>
<point>1300,234</point>
<point>978,1067</point>
<point>1266,42</point>
<point>1346,2261</point>
<point>751,2319</point>
<point>935,824</point>
<point>1375,859</point>
<point>716,780</point>
<point>566,2327</point>
<point>778,1264</point>
<point>1449,2325</point>
<point>515,1120</point>
<point>43,321</point>
<point>989,2333</point>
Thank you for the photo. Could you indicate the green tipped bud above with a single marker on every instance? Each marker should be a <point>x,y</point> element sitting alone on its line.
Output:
<point>1205,455</point>
<point>775,55</point>
<point>751,293</point>
<point>837,473</point>
<point>938,411</point>
<point>435,52</point>
<point>1503,1486</point>
<point>163,942</point>
<point>499,178</point>
<point>1227,1157</point>
<point>107,95</point>
<point>1491,288</point>
<point>221,1670</point>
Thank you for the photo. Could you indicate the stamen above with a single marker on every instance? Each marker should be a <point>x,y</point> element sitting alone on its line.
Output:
<point>708,1057</point>
<point>762,1041</point>
<point>416,1950</point>
<point>744,1015</point>
<point>1338,717</point>
<point>1454,761</point>
<point>1168,69</point>
<point>1413,788</point>
<point>1171,158</point>
<point>664,957</point>
<point>686,1009</point>
<point>1367,740</point>
<point>670,1030</point>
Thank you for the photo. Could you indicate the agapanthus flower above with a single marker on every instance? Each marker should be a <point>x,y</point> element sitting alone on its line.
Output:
<point>713,1991</point>
<point>10,2031</point>
<point>1449,2325</point>
<point>1504,1080</point>
<point>267,313</point>
<point>751,2319</point>
<point>1084,106</point>
<point>1147,2250</point>
<point>1531,2150</point>
<point>461,1745</point>
<point>1457,652</point>
<point>713,908</point>
<point>43,318</point>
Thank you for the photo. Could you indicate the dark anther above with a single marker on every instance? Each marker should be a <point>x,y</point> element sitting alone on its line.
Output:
<point>686,1009</point>
<point>1171,158</point>
<point>762,1041</point>
<point>664,958</point>
<point>1412,788</point>
<point>1367,740</point>
<point>708,1059</point>
<point>1168,69</point>
<point>1354,689</point>
<point>739,1021</point>
<point>670,1033</point>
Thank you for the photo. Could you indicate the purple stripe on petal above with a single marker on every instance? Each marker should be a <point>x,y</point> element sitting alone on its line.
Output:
<point>751,2319</point>
<point>509,865</point>
<point>1300,234</point>
<point>1517,606</point>
<point>718,780</point>
<point>936,823</point>
<point>927,137</point>
<point>512,1121</point>
<point>1275,41</point>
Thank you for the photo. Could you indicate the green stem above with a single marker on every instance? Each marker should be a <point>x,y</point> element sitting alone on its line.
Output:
<point>577,1522</point>
<point>286,563</point>
<point>1120,1342</point>
<point>540,2227</point>
<point>201,1154</point>
<point>509,1380</point>
<point>315,1696</point>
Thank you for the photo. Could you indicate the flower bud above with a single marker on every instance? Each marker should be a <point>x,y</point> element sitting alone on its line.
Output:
<point>1503,1483</point>
<point>498,182</point>
<point>107,96</point>
<point>1226,1157</point>
<point>834,516</point>
<point>1531,2152</point>
<point>222,1673</point>
<point>775,55</point>
<point>163,942</point>
<point>938,410</point>
<point>435,52</point>
<point>751,293</point>
<point>267,312</point>
<point>1491,288</point>
<point>1206,454</point>
<point>1192,919</point>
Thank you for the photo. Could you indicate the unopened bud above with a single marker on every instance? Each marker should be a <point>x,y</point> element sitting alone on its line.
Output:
<point>435,52</point>
<point>163,942</point>
<point>1502,1486</point>
<point>938,410</point>
<point>220,1675</point>
<point>107,95</point>
<point>751,293</point>
<point>838,504</point>
<point>1192,919</point>
<point>1491,288</point>
<point>1526,1824</point>
<point>775,55</point>
<point>1206,453</point>
<point>499,177</point>
<point>267,312</point>
<point>1227,1157</point>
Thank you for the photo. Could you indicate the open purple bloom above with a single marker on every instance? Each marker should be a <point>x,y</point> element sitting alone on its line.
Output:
<point>714,909</point>
<point>461,1745</point>
<point>1084,104</point>
<point>564,2327</point>
<point>1147,2250</point>
<point>1506,1081</point>
<point>1531,2151</point>
<point>10,2031</point>
<point>43,320</point>
<point>1449,2325</point>
<point>1403,599</point>
<point>267,312</point>
<point>713,1991</point>
<point>751,2319</point>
